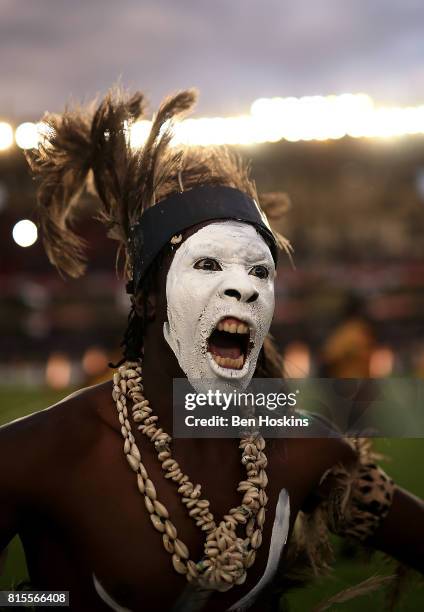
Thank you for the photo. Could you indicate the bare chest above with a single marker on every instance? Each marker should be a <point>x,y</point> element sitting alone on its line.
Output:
<point>108,531</point>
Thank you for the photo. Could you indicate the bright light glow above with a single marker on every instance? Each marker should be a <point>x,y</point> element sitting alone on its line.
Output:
<point>294,119</point>
<point>139,132</point>
<point>312,117</point>
<point>30,135</point>
<point>270,120</point>
<point>25,233</point>
<point>26,136</point>
<point>6,136</point>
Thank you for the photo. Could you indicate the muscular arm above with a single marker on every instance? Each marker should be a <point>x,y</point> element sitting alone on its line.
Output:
<point>25,460</point>
<point>8,501</point>
<point>401,533</point>
<point>8,529</point>
<point>34,452</point>
<point>361,502</point>
<point>8,522</point>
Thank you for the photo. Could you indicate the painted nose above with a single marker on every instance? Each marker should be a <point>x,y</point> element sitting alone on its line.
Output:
<point>238,285</point>
<point>241,289</point>
<point>234,293</point>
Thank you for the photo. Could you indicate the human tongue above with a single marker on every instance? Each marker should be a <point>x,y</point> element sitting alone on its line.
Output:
<point>224,347</point>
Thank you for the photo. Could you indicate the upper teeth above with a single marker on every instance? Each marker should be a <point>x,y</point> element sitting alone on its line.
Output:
<point>233,328</point>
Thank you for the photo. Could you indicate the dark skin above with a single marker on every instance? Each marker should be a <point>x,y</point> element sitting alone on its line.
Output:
<point>67,490</point>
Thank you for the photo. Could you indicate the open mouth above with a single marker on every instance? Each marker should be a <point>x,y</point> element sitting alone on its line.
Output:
<point>228,344</point>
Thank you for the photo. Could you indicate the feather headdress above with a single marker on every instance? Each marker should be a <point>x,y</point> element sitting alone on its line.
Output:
<point>86,146</point>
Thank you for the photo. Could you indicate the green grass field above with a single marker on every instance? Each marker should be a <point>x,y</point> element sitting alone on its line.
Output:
<point>405,466</point>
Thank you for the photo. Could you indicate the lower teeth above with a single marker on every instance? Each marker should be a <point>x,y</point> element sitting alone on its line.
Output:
<point>228,362</point>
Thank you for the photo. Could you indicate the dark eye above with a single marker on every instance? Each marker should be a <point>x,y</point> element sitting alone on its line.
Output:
<point>259,271</point>
<point>207,263</point>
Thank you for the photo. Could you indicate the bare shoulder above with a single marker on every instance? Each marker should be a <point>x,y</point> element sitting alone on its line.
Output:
<point>68,428</point>
<point>326,447</point>
<point>311,458</point>
<point>332,451</point>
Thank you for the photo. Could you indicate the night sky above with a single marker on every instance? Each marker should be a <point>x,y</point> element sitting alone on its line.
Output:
<point>233,51</point>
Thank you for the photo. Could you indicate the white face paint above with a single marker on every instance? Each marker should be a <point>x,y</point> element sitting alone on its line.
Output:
<point>221,280</point>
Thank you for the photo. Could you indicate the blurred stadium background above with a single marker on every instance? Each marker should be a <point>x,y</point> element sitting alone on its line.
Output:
<point>355,219</point>
<point>354,305</point>
<point>352,167</point>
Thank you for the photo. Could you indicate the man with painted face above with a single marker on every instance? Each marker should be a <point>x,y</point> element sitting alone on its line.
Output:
<point>108,506</point>
<point>220,297</point>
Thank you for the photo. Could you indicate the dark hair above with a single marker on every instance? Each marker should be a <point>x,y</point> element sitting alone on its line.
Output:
<point>132,342</point>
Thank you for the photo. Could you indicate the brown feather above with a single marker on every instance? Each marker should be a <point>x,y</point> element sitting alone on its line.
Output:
<point>60,165</point>
<point>112,155</point>
<point>157,144</point>
<point>91,147</point>
<point>362,588</point>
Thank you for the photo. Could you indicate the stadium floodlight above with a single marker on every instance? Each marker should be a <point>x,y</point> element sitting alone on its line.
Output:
<point>6,136</point>
<point>27,135</point>
<point>271,120</point>
<point>25,233</point>
<point>139,132</point>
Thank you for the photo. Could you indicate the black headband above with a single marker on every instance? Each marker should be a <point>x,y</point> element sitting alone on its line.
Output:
<point>176,213</point>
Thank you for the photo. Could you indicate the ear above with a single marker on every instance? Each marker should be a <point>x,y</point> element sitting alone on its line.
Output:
<point>145,307</point>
